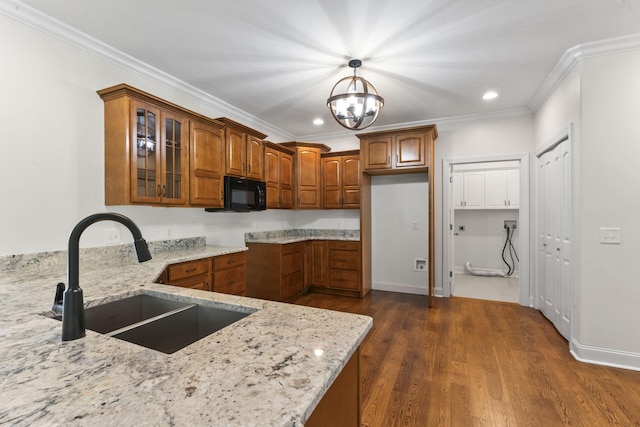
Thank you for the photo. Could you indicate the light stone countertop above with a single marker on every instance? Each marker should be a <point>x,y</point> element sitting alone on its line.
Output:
<point>262,370</point>
<point>281,237</point>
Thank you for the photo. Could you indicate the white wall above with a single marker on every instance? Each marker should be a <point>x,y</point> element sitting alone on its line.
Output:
<point>397,202</point>
<point>52,161</point>
<point>600,96</point>
<point>483,239</point>
<point>478,139</point>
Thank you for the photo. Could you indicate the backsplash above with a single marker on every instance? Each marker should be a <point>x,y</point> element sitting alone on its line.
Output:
<point>98,256</point>
<point>302,232</point>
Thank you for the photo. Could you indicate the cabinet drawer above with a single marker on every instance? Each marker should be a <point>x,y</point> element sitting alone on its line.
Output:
<point>230,281</point>
<point>290,248</point>
<point>198,282</point>
<point>230,260</point>
<point>291,263</point>
<point>344,279</point>
<point>347,260</point>
<point>188,269</point>
<point>292,285</point>
<point>343,245</point>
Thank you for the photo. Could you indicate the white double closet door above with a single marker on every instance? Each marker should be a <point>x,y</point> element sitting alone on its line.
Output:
<point>555,276</point>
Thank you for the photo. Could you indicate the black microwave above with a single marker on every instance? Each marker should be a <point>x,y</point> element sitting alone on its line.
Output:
<point>243,195</point>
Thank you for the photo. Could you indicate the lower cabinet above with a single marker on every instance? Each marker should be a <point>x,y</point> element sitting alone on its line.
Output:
<point>230,273</point>
<point>333,266</point>
<point>189,274</point>
<point>224,273</point>
<point>274,271</point>
<point>340,406</point>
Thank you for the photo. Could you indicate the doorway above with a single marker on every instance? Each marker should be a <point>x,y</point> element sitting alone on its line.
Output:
<point>479,221</point>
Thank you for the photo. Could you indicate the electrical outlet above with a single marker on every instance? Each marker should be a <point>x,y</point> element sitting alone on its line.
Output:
<point>611,236</point>
<point>111,236</point>
<point>512,224</point>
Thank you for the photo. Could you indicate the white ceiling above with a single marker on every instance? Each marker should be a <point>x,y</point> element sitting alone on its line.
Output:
<point>279,59</point>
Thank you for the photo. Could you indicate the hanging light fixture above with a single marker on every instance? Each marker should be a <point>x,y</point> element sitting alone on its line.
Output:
<point>354,102</point>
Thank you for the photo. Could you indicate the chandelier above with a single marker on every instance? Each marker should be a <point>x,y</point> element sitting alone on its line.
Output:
<point>354,102</point>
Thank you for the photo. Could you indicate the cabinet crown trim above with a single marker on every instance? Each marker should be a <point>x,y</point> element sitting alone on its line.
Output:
<point>426,128</point>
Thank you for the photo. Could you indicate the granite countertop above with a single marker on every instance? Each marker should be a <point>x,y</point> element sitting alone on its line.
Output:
<point>301,235</point>
<point>270,368</point>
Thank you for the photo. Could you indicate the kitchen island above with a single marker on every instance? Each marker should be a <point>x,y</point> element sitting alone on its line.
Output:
<point>271,368</point>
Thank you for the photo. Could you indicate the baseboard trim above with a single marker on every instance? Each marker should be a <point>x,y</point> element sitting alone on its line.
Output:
<point>394,287</point>
<point>605,356</point>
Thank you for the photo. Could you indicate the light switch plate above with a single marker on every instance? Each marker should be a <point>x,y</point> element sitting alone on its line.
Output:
<point>611,236</point>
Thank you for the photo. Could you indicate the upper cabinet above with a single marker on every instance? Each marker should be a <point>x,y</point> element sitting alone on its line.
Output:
<point>207,164</point>
<point>158,153</point>
<point>307,178</point>
<point>494,185</point>
<point>403,150</point>
<point>341,180</point>
<point>146,149</point>
<point>244,152</point>
<point>278,174</point>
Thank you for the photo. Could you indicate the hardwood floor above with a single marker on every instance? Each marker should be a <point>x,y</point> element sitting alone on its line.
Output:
<point>470,362</point>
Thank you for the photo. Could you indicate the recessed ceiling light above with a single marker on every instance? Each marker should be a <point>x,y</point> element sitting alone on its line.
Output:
<point>318,122</point>
<point>489,95</point>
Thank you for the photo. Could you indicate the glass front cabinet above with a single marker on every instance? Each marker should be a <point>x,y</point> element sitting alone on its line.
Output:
<point>159,155</point>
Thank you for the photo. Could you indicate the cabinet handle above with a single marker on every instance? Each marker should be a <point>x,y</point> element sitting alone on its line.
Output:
<point>397,158</point>
<point>389,159</point>
<point>229,262</point>
<point>190,270</point>
<point>505,203</point>
<point>229,283</point>
<point>249,168</point>
<point>158,191</point>
<point>243,167</point>
<point>164,190</point>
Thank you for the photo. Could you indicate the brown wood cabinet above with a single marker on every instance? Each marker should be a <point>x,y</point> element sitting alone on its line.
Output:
<point>308,179</point>
<point>206,164</point>
<point>274,271</point>
<point>158,153</point>
<point>396,151</point>
<point>189,274</point>
<point>344,266</point>
<point>403,151</point>
<point>224,273</point>
<point>244,152</point>
<point>230,274</point>
<point>146,149</point>
<point>278,174</point>
<point>341,180</point>
<point>340,406</point>
<point>315,267</point>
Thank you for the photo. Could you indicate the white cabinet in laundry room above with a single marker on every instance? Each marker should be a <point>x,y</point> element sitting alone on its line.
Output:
<point>502,189</point>
<point>468,190</point>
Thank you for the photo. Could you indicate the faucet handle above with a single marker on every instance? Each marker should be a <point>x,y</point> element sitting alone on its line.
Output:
<point>57,301</point>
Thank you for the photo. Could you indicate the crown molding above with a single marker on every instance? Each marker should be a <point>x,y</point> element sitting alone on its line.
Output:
<point>441,123</point>
<point>55,28</point>
<point>575,54</point>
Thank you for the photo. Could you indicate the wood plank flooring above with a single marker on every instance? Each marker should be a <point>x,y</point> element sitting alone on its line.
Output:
<point>468,362</point>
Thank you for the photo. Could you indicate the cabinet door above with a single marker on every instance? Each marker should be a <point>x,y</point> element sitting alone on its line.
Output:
<point>308,178</point>
<point>175,159</point>
<point>410,150</point>
<point>146,186</point>
<point>457,181</point>
<point>236,152</point>
<point>473,190</point>
<point>351,182</point>
<point>332,182</point>
<point>272,177</point>
<point>495,186</point>
<point>318,263</point>
<point>376,152</point>
<point>207,165</point>
<point>286,182</point>
<point>513,189</point>
<point>255,159</point>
